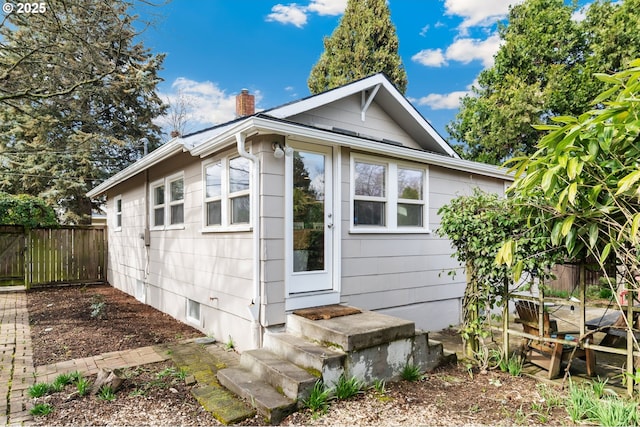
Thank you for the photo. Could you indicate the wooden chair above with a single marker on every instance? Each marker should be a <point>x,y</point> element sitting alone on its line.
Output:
<point>547,355</point>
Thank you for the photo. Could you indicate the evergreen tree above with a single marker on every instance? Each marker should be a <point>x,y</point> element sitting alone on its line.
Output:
<point>364,43</point>
<point>77,94</point>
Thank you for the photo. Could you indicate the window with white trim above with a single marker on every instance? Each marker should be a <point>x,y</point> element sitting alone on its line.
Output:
<point>167,202</point>
<point>410,197</point>
<point>118,212</point>
<point>227,193</point>
<point>239,190</point>
<point>193,311</point>
<point>176,201</point>
<point>157,202</point>
<point>388,196</point>
<point>370,195</point>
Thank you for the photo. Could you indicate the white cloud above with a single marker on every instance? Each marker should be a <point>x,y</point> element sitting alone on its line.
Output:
<point>206,103</point>
<point>478,13</point>
<point>327,7</point>
<point>297,15</point>
<point>462,50</point>
<point>430,58</point>
<point>447,101</point>
<point>288,14</point>
<point>466,50</point>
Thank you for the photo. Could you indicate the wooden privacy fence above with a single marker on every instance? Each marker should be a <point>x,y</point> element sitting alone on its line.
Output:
<point>52,255</point>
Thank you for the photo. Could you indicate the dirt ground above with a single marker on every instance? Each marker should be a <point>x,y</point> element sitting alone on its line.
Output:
<point>62,327</point>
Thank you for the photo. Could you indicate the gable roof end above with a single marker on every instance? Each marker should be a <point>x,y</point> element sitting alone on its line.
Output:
<point>387,97</point>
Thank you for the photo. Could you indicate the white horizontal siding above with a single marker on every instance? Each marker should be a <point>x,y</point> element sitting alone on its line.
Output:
<point>407,274</point>
<point>214,269</point>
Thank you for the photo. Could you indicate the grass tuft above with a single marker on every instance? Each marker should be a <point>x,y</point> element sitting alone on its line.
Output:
<point>411,372</point>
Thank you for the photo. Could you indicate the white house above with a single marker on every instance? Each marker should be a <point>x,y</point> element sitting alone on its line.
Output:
<point>329,199</point>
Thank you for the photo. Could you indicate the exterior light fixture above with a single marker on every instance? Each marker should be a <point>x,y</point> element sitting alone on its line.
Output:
<point>279,151</point>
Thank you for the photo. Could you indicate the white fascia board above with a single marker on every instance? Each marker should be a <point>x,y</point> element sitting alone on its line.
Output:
<point>226,137</point>
<point>162,153</point>
<point>264,125</point>
<point>327,97</point>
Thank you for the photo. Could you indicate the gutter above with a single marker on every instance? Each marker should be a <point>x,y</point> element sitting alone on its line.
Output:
<point>254,306</point>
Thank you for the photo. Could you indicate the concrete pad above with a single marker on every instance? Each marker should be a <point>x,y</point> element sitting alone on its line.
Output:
<point>353,332</point>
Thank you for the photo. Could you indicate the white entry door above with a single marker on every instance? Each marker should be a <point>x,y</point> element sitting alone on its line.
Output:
<point>309,220</point>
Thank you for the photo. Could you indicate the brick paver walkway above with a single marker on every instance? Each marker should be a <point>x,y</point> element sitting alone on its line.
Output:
<point>17,372</point>
<point>16,358</point>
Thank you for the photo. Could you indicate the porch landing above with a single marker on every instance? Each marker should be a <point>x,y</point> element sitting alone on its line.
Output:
<point>366,345</point>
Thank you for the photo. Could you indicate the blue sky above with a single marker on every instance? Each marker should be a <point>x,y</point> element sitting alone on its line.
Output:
<point>215,48</point>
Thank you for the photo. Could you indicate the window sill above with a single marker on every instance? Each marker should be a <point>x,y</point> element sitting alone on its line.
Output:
<point>175,227</point>
<point>227,229</point>
<point>168,227</point>
<point>372,230</point>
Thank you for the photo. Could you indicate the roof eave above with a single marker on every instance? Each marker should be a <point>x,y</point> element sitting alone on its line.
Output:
<point>170,148</point>
<point>264,124</point>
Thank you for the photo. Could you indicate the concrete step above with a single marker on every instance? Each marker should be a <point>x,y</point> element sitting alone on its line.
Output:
<point>447,356</point>
<point>353,332</point>
<point>289,379</point>
<point>267,401</point>
<point>323,361</point>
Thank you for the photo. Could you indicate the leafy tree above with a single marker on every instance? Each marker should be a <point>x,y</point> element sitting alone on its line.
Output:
<point>477,226</point>
<point>77,94</point>
<point>543,70</point>
<point>537,74</point>
<point>582,185</point>
<point>25,210</point>
<point>364,43</point>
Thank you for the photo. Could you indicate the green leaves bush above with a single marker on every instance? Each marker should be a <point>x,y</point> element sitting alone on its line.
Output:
<point>478,226</point>
<point>26,210</point>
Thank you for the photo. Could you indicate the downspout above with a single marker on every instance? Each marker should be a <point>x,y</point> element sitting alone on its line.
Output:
<point>254,307</point>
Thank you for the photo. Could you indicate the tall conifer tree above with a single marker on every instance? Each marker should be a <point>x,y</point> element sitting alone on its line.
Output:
<point>77,95</point>
<point>364,43</point>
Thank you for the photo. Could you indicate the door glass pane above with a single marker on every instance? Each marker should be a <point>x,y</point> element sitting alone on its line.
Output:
<point>308,211</point>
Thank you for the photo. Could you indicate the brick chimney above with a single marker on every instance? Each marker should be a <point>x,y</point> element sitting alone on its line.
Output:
<point>245,104</point>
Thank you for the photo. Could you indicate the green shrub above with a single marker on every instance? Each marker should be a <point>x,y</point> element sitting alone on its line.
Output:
<point>26,210</point>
